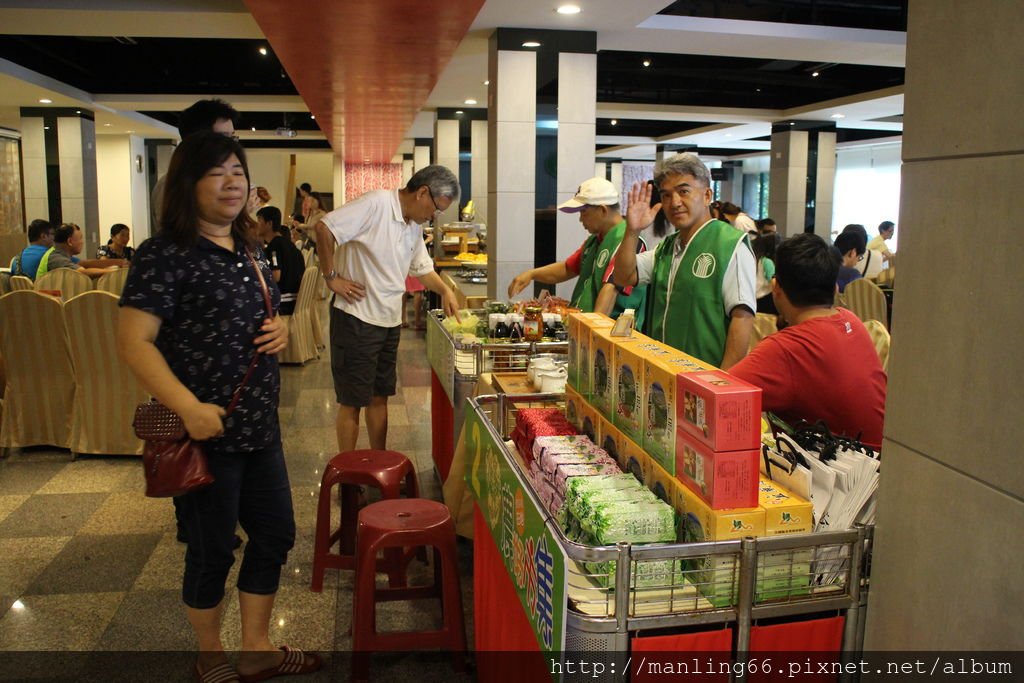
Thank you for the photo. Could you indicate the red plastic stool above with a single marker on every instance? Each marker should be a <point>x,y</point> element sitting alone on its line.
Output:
<point>403,523</point>
<point>384,470</point>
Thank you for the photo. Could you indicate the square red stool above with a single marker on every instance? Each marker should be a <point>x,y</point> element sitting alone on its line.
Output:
<point>384,470</point>
<point>403,523</point>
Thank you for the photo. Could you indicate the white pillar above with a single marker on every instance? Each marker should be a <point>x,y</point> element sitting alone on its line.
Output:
<point>478,168</point>
<point>511,177</point>
<point>825,185</point>
<point>788,194</point>
<point>420,157</point>
<point>577,111</point>
<point>446,153</point>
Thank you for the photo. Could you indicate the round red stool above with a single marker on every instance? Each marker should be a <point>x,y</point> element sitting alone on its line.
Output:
<point>402,523</point>
<point>384,470</point>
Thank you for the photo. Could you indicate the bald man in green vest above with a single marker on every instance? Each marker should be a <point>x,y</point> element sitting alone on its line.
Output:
<point>597,203</point>
<point>701,279</point>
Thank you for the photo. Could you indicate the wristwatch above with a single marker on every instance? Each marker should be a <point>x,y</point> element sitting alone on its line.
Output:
<point>330,276</point>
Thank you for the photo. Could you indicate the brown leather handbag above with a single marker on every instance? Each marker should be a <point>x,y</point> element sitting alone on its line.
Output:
<point>173,463</point>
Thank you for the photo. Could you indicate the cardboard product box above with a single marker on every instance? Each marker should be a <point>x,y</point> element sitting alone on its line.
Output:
<point>611,437</point>
<point>590,422</point>
<point>722,411</point>
<point>579,326</point>
<point>715,576</point>
<point>722,479</point>
<point>574,407</point>
<point>627,384</point>
<point>635,459</point>
<point>601,366</point>
<point>658,424</point>
<point>785,573</point>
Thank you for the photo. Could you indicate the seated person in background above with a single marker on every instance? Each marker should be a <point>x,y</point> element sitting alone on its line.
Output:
<point>739,220</point>
<point>872,262</point>
<point>886,229</point>
<point>286,262</point>
<point>823,366</point>
<point>117,246</point>
<point>68,242</point>
<point>850,246</point>
<point>40,237</point>
<point>593,264</point>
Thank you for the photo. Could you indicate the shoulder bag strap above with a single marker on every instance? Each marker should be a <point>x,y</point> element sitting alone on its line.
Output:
<point>236,397</point>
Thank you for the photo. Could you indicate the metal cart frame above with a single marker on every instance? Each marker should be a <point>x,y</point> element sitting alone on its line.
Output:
<point>848,558</point>
<point>458,366</point>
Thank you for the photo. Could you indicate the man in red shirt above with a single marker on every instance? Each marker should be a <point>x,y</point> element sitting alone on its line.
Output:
<point>823,366</point>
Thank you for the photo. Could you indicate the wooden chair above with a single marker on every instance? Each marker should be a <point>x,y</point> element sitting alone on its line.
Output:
<point>301,344</point>
<point>106,391</point>
<point>113,281</point>
<point>70,283</point>
<point>880,336</point>
<point>20,283</point>
<point>40,377</point>
<point>764,324</point>
<point>866,300</point>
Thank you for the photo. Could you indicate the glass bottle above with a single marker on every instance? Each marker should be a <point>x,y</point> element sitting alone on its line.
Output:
<point>533,324</point>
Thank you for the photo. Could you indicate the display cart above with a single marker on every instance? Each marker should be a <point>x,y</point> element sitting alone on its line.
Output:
<point>456,369</point>
<point>571,607</point>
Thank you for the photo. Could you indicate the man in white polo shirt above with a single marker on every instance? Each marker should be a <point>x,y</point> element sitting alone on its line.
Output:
<point>383,242</point>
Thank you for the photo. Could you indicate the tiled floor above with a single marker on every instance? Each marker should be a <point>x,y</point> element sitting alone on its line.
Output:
<point>87,563</point>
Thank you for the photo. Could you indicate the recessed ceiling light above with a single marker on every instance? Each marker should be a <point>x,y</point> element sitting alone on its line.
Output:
<point>313,116</point>
<point>531,43</point>
<point>459,112</point>
<point>839,116</point>
<point>487,82</point>
<point>45,100</point>
<point>78,111</point>
<point>615,122</point>
<point>470,101</point>
<point>569,9</point>
<point>46,128</point>
<point>792,123</point>
<point>18,605</point>
<point>647,62</point>
<point>758,90</point>
<point>263,51</point>
<point>814,75</point>
<point>254,129</point>
<point>107,125</point>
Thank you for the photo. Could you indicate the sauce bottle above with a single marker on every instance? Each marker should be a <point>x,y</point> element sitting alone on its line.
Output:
<point>533,324</point>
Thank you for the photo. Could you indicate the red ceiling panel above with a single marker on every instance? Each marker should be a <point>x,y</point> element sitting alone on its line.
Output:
<point>364,67</point>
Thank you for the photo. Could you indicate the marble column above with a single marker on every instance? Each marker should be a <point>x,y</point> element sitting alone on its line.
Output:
<point>825,185</point>
<point>947,551</point>
<point>511,146</point>
<point>577,111</point>
<point>60,169</point>
<point>479,163</point>
<point>446,153</point>
<point>787,200</point>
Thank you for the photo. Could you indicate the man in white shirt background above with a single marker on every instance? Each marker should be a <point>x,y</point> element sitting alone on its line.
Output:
<point>381,236</point>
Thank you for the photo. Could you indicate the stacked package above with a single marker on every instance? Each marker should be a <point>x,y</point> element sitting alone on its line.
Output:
<point>608,509</point>
<point>534,422</point>
<point>556,460</point>
<point>718,438</point>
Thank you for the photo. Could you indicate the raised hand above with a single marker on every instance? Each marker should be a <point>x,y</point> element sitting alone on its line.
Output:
<point>640,213</point>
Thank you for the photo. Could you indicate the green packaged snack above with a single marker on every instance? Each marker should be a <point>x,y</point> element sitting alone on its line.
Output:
<point>633,522</point>
<point>576,486</point>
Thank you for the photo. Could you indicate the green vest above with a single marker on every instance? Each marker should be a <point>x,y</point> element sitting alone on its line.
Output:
<point>44,263</point>
<point>593,265</point>
<point>686,310</point>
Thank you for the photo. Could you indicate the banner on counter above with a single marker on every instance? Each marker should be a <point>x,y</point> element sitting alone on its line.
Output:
<point>534,560</point>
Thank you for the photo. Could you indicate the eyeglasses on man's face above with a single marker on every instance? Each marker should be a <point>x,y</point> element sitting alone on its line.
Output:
<point>437,209</point>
